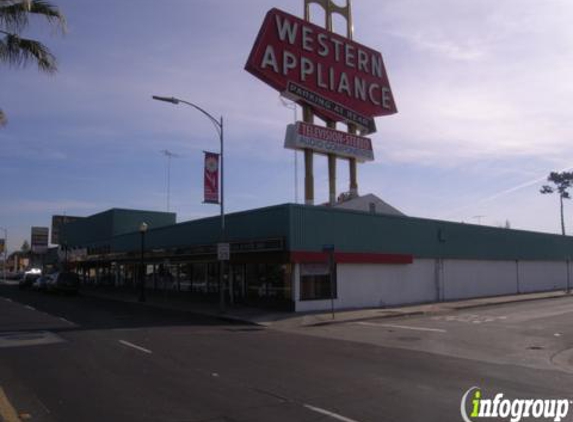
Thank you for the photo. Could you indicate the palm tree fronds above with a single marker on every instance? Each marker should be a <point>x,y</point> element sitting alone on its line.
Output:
<point>14,15</point>
<point>50,12</point>
<point>18,51</point>
<point>3,119</point>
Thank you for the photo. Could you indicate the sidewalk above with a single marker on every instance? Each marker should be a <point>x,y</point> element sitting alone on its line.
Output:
<point>269,318</point>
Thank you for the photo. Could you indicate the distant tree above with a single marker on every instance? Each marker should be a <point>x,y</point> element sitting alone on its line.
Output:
<point>18,51</point>
<point>25,246</point>
<point>507,224</point>
<point>562,181</point>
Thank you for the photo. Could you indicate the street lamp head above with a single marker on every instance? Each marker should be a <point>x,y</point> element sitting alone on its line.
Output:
<point>171,100</point>
<point>143,227</point>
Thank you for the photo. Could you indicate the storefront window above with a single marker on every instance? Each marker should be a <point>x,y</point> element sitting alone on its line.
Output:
<point>315,283</point>
<point>199,279</point>
<point>268,281</point>
<point>213,277</point>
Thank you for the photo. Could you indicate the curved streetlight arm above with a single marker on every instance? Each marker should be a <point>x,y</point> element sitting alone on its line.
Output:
<point>218,124</point>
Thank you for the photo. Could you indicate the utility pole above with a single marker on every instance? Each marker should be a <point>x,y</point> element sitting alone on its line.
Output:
<point>169,156</point>
<point>292,105</point>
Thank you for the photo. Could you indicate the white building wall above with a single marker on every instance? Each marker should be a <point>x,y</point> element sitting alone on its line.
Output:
<point>464,279</point>
<point>535,276</point>
<point>433,280</point>
<point>379,285</point>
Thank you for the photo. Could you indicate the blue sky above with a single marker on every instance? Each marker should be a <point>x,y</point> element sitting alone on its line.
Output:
<point>483,91</point>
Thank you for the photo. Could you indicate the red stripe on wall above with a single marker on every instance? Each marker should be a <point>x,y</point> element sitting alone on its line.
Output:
<point>352,258</point>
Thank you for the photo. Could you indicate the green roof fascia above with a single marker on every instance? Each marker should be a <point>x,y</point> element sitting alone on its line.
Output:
<point>362,232</point>
<point>262,223</point>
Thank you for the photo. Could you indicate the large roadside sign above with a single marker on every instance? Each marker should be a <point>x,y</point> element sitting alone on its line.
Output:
<point>58,221</point>
<point>341,79</point>
<point>39,239</point>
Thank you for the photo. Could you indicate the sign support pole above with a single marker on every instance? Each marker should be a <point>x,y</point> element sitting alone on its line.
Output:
<point>346,11</point>
<point>331,171</point>
<point>308,117</point>
<point>308,163</point>
<point>352,169</point>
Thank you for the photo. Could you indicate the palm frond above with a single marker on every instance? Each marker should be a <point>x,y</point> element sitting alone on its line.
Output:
<point>18,51</point>
<point>50,12</point>
<point>13,18</point>
<point>3,119</point>
<point>14,15</point>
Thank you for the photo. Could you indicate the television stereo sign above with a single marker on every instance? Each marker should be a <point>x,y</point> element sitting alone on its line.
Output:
<point>328,141</point>
<point>334,69</point>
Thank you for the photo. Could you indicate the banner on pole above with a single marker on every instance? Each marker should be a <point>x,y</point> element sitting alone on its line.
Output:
<point>211,178</point>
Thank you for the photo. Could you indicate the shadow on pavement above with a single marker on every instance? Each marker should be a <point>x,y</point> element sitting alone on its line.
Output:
<point>83,312</point>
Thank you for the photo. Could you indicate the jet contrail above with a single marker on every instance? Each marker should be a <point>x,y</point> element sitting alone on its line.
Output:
<point>504,192</point>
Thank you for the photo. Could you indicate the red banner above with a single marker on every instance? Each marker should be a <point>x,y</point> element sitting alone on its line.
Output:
<point>211,178</point>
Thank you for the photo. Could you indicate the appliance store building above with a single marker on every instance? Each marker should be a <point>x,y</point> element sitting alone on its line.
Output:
<point>278,257</point>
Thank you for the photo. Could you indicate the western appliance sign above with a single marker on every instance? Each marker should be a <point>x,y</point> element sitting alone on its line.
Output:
<point>341,79</point>
<point>328,141</point>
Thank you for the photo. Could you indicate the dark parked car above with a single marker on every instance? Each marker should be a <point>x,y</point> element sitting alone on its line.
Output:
<point>63,282</point>
<point>41,283</point>
<point>29,278</point>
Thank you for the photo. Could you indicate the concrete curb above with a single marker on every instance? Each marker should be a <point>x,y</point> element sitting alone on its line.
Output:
<point>445,307</point>
<point>432,309</point>
<point>524,298</point>
<point>366,318</point>
<point>223,317</point>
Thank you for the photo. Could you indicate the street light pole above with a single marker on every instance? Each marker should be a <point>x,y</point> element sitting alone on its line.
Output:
<point>142,230</point>
<point>219,127</point>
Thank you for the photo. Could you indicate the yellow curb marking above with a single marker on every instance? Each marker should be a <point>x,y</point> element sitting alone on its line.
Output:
<point>7,411</point>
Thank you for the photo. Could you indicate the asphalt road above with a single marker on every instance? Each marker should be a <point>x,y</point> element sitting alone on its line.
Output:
<point>85,359</point>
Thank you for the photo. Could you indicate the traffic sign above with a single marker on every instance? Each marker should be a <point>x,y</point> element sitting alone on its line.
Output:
<point>223,251</point>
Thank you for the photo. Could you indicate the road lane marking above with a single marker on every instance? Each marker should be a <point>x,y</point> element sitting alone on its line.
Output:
<point>135,346</point>
<point>7,411</point>
<point>404,327</point>
<point>30,307</point>
<point>328,413</point>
